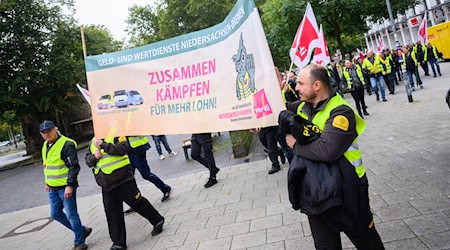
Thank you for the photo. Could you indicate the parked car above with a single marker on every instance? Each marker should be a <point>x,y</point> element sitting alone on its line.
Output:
<point>105,102</point>
<point>120,98</point>
<point>134,98</point>
<point>5,143</point>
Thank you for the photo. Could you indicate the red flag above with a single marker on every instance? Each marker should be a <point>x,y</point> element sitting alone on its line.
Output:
<point>381,46</point>
<point>85,93</point>
<point>321,54</point>
<point>422,33</point>
<point>306,39</point>
<point>360,54</point>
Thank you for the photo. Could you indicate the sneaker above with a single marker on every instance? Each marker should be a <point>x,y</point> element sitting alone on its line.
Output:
<point>129,211</point>
<point>214,172</point>
<point>378,98</point>
<point>273,170</point>
<point>117,247</point>
<point>421,87</point>
<point>173,153</point>
<point>384,100</point>
<point>87,232</point>
<point>166,195</point>
<point>161,157</point>
<point>211,182</point>
<point>81,246</point>
<point>157,229</point>
<point>413,89</point>
<point>365,113</point>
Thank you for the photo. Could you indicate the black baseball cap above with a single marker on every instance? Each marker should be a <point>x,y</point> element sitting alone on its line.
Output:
<point>46,125</point>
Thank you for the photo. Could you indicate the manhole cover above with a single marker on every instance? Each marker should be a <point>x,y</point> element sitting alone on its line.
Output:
<point>28,227</point>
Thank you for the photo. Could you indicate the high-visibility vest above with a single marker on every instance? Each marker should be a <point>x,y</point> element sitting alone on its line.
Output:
<point>55,170</point>
<point>377,67</point>
<point>434,49</point>
<point>353,154</point>
<point>424,49</point>
<point>349,78</point>
<point>386,63</point>
<point>136,141</point>
<point>108,163</point>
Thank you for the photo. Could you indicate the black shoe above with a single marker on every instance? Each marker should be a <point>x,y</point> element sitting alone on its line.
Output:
<point>273,170</point>
<point>166,195</point>
<point>211,182</point>
<point>440,74</point>
<point>434,76</point>
<point>81,246</point>
<point>384,100</point>
<point>421,87</point>
<point>366,107</point>
<point>378,98</point>
<point>213,173</point>
<point>282,157</point>
<point>157,229</point>
<point>87,232</point>
<point>117,247</point>
<point>360,114</point>
<point>427,74</point>
<point>365,113</point>
<point>129,211</point>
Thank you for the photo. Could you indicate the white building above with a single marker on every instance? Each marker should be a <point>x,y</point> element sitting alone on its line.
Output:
<point>407,25</point>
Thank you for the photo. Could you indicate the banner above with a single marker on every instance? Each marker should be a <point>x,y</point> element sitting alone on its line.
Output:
<point>218,79</point>
<point>321,54</point>
<point>422,33</point>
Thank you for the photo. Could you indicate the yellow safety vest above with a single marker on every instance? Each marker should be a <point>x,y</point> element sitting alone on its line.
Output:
<point>108,163</point>
<point>377,67</point>
<point>387,63</point>
<point>349,78</point>
<point>424,49</point>
<point>55,169</point>
<point>353,154</point>
<point>136,141</point>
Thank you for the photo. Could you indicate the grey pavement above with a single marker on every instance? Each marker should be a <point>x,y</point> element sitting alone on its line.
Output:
<point>406,152</point>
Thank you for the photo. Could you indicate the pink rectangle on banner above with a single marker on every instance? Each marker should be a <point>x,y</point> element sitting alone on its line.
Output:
<point>261,105</point>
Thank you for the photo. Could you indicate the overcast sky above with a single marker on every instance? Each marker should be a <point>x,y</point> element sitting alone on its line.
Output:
<point>111,14</point>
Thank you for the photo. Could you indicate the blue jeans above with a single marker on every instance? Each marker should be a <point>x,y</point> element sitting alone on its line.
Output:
<point>158,139</point>
<point>140,162</point>
<point>410,74</point>
<point>434,62</point>
<point>380,80</point>
<point>70,217</point>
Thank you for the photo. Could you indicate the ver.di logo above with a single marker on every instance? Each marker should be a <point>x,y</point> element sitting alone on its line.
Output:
<point>245,68</point>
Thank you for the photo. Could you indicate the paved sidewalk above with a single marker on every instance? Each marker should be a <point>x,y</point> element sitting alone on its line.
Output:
<point>406,151</point>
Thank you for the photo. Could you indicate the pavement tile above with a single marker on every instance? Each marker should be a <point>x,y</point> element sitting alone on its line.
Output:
<point>377,201</point>
<point>195,224</point>
<point>242,205</point>
<point>271,246</point>
<point>411,182</point>
<point>184,217</point>
<point>293,217</point>
<point>210,212</point>
<point>304,243</point>
<point>183,247</point>
<point>234,229</point>
<point>254,195</point>
<point>234,198</point>
<point>306,228</point>
<point>266,222</point>
<point>395,212</point>
<point>380,188</point>
<point>196,236</point>
<point>250,214</point>
<point>249,240</point>
<point>429,223</point>
<point>280,208</point>
<point>202,205</point>
<point>437,240</point>
<point>287,232</point>
<point>171,240</point>
<point>264,201</point>
<point>229,218</point>
<point>432,204</point>
<point>218,244</point>
<point>400,196</point>
<point>435,189</point>
<point>406,244</point>
<point>394,230</point>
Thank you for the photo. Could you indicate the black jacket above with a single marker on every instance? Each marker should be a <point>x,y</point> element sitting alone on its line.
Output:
<point>119,176</point>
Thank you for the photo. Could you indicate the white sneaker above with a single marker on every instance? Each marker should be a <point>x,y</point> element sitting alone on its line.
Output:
<point>161,157</point>
<point>173,153</point>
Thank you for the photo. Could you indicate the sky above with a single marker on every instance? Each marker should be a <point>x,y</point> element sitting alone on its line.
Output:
<point>111,14</point>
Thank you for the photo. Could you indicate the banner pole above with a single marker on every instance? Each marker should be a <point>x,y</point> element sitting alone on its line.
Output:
<point>83,44</point>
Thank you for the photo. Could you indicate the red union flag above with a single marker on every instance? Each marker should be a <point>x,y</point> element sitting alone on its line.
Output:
<point>422,35</point>
<point>321,55</point>
<point>381,46</point>
<point>306,39</point>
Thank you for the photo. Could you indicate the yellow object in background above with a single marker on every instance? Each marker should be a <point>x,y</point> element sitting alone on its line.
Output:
<point>439,36</point>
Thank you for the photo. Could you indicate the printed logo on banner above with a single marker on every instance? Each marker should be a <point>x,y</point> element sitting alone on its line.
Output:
<point>245,68</point>
<point>261,105</point>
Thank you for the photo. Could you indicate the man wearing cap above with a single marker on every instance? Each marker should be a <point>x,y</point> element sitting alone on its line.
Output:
<point>61,170</point>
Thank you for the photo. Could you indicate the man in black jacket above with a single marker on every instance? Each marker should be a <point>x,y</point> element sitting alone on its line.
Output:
<point>112,170</point>
<point>340,128</point>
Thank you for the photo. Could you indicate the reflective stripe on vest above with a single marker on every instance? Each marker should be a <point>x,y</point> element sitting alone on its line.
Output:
<point>108,163</point>
<point>387,63</point>
<point>376,66</point>
<point>353,154</point>
<point>136,141</point>
<point>349,78</point>
<point>55,170</point>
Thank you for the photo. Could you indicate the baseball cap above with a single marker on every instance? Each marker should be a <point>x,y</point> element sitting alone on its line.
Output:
<point>46,125</point>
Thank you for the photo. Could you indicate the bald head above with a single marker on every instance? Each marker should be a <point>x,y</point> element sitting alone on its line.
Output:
<point>370,53</point>
<point>314,72</point>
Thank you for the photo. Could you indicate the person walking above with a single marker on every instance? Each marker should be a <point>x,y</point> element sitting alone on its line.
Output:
<point>138,159</point>
<point>203,142</point>
<point>411,65</point>
<point>376,72</point>
<point>387,63</point>
<point>355,84</point>
<point>61,168</point>
<point>158,139</point>
<point>432,55</point>
<point>114,174</point>
<point>340,128</point>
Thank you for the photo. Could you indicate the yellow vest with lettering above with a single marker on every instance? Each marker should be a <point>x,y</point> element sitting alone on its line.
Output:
<point>108,163</point>
<point>55,169</point>
<point>353,154</point>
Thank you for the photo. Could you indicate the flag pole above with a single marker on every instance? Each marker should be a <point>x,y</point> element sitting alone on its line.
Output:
<point>83,44</point>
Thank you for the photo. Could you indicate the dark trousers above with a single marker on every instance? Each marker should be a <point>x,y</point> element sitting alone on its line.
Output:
<point>364,237</point>
<point>368,85</point>
<point>433,63</point>
<point>287,151</point>
<point>203,142</point>
<point>424,66</point>
<point>158,139</point>
<point>389,79</point>
<point>140,162</point>
<point>129,193</point>
<point>358,96</point>
<point>268,138</point>
<point>410,74</point>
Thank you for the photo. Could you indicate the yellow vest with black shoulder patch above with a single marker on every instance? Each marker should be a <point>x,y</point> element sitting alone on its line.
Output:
<point>137,141</point>
<point>353,154</point>
<point>55,169</point>
<point>108,163</point>
<point>348,78</point>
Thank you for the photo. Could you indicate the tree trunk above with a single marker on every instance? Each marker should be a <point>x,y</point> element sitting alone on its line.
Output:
<point>33,139</point>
